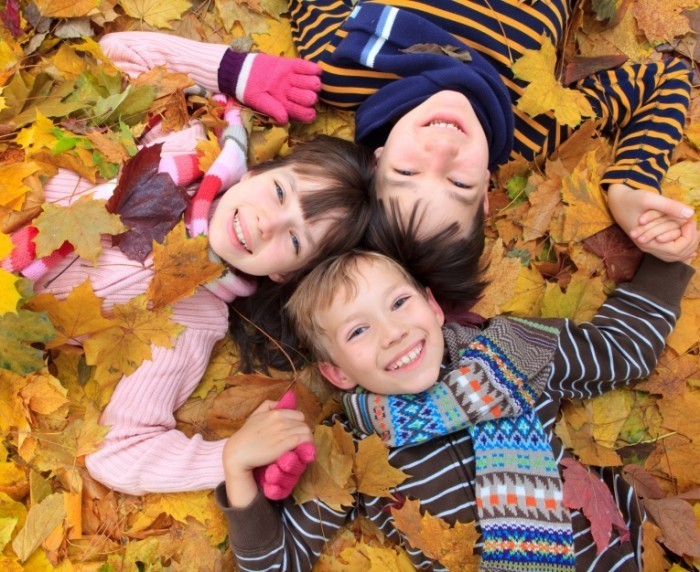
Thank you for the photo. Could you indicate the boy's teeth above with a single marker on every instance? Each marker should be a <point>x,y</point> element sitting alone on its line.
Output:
<point>410,357</point>
<point>239,233</point>
<point>444,124</point>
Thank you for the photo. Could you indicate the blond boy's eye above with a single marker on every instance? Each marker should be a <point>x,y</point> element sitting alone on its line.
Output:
<point>400,302</point>
<point>356,332</point>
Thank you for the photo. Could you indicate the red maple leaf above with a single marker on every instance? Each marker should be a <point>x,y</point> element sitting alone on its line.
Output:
<point>147,201</point>
<point>620,255</point>
<point>584,490</point>
<point>10,17</point>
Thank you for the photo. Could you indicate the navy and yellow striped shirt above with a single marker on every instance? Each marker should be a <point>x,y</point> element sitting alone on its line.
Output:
<point>643,104</point>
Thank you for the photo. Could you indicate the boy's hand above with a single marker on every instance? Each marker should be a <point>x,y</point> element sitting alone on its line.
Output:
<point>658,225</point>
<point>266,435</point>
<point>283,88</point>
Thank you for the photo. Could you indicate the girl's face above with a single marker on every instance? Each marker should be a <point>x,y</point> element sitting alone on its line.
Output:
<point>258,226</point>
<point>438,154</point>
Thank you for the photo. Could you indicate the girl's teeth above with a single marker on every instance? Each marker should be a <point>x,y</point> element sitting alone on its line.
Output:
<point>410,357</point>
<point>239,232</point>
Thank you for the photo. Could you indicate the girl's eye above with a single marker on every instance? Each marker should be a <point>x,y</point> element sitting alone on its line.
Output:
<point>280,192</point>
<point>404,172</point>
<point>295,243</point>
<point>356,332</point>
<point>400,302</point>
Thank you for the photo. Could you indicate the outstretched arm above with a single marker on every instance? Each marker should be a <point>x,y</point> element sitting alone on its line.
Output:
<point>283,88</point>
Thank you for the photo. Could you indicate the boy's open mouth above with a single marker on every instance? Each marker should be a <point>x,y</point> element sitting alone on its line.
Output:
<point>239,232</point>
<point>408,358</point>
<point>447,124</point>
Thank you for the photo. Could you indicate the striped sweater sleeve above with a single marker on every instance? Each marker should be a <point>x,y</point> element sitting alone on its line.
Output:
<point>623,342</point>
<point>648,104</point>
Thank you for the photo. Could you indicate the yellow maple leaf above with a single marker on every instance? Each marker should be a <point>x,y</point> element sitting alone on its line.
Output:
<point>12,412</point>
<point>43,393</point>
<point>39,135</point>
<point>687,331</point>
<point>575,429</point>
<point>157,13</point>
<point>120,350</point>
<point>10,56</point>
<point>10,294</point>
<point>587,211</point>
<point>373,473</point>
<point>66,8</point>
<point>78,315</point>
<point>91,433</point>
<point>329,477</point>
<point>277,40</point>
<point>527,295</point>
<point>501,270</point>
<point>545,93</point>
<point>180,264</point>
<point>81,223</point>
<point>580,302</point>
<point>180,506</point>
<point>41,520</point>
<point>451,546</point>
<point>68,62</point>
<point>609,414</point>
<point>12,183</point>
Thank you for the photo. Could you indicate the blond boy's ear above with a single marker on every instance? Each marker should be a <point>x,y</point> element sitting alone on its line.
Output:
<point>435,307</point>
<point>335,375</point>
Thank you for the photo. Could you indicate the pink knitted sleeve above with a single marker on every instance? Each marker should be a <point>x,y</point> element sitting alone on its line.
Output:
<point>143,451</point>
<point>138,52</point>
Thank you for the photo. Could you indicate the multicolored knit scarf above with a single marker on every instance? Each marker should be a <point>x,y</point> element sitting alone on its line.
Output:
<point>184,170</point>
<point>496,377</point>
<point>384,38</point>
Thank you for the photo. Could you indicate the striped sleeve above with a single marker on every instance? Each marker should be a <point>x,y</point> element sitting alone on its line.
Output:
<point>648,103</point>
<point>626,337</point>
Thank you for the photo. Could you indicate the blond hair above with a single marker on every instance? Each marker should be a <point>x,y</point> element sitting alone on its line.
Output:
<point>321,288</point>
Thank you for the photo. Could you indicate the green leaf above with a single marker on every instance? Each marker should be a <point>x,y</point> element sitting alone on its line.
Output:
<point>19,330</point>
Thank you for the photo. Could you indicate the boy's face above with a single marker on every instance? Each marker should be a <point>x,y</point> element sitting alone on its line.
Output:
<point>437,154</point>
<point>258,226</point>
<point>387,339</point>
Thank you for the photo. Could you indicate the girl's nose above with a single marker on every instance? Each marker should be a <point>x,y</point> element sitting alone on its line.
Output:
<point>269,223</point>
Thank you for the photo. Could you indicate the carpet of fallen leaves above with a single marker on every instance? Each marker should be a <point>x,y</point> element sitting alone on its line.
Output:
<point>550,241</point>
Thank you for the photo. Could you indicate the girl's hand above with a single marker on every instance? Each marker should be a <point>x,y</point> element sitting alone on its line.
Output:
<point>265,436</point>
<point>283,88</point>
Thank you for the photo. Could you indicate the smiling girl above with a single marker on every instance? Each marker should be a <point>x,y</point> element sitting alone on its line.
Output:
<point>271,223</point>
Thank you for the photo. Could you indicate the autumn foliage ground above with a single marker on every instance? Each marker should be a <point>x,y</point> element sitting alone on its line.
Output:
<point>553,252</point>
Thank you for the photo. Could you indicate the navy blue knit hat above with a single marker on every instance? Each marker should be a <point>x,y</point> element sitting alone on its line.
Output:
<point>377,37</point>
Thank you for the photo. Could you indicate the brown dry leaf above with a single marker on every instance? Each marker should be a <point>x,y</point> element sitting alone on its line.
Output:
<point>544,201</point>
<point>653,555</point>
<point>180,265</point>
<point>679,460</point>
<point>679,527</point>
<point>451,546</point>
<point>120,350</point>
<point>662,21</point>
<point>329,477</point>
<point>674,411</point>
<point>80,314</point>
<point>373,473</point>
<point>82,224</point>
<point>669,378</point>
<point>12,412</point>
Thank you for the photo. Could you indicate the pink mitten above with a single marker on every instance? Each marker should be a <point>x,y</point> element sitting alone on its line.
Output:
<point>277,480</point>
<point>283,88</point>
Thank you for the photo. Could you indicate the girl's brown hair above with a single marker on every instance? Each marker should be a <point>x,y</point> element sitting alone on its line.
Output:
<point>344,171</point>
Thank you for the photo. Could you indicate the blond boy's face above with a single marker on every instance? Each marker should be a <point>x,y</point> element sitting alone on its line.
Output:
<point>387,338</point>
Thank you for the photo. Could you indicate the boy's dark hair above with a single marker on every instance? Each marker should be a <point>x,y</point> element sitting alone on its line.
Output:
<point>446,262</point>
<point>345,171</point>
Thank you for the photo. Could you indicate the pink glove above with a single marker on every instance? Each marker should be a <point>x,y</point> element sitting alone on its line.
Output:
<point>283,88</point>
<point>277,480</point>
